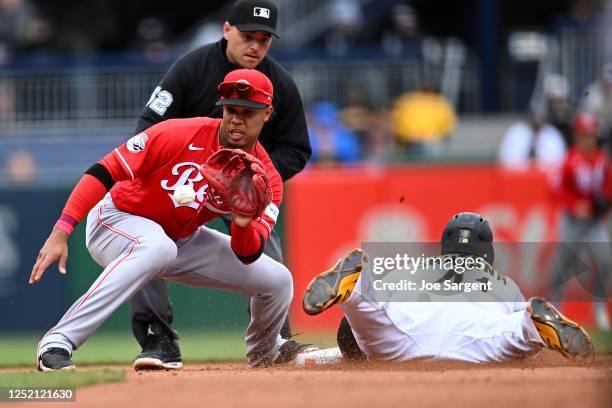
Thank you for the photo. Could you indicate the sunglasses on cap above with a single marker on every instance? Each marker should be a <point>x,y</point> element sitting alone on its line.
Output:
<point>243,89</point>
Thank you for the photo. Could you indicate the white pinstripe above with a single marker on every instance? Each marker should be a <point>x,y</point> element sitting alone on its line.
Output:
<point>125,163</point>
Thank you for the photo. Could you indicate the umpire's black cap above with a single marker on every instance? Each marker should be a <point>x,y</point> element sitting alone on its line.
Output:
<point>254,15</point>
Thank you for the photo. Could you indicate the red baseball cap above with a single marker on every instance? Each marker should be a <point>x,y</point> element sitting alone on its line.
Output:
<point>585,123</point>
<point>246,87</point>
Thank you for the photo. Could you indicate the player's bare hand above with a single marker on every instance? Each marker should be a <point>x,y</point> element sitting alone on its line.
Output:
<point>241,221</point>
<point>54,249</point>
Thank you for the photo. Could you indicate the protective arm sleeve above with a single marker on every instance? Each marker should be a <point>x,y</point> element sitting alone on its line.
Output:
<point>85,195</point>
<point>248,243</point>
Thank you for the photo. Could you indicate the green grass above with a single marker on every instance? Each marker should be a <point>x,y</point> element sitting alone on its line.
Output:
<point>19,350</point>
<point>121,348</point>
<point>196,346</point>
<point>602,342</point>
<point>60,379</point>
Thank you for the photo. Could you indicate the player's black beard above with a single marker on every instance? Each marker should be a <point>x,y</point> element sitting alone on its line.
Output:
<point>224,141</point>
<point>229,145</point>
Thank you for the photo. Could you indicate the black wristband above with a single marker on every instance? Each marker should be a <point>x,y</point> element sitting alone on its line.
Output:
<point>252,258</point>
<point>101,173</point>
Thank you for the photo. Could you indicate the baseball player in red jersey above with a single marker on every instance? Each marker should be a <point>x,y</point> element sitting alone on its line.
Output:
<point>138,231</point>
<point>585,191</point>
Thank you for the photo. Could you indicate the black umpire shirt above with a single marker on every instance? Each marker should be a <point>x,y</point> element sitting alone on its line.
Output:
<point>189,89</point>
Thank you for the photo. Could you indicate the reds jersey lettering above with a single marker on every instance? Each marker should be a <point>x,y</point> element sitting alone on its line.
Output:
<point>188,176</point>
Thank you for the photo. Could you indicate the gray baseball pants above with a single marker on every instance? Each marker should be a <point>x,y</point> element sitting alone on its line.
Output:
<point>134,250</point>
<point>152,303</point>
<point>579,236</point>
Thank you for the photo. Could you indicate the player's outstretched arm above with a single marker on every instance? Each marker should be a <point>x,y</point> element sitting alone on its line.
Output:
<point>54,249</point>
<point>86,194</point>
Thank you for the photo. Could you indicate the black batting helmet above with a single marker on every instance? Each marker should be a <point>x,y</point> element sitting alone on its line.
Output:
<point>468,234</point>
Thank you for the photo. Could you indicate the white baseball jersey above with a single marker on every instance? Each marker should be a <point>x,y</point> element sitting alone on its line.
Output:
<point>454,329</point>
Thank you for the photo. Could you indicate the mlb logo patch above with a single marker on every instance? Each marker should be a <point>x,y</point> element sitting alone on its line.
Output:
<point>137,143</point>
<point>464,236</point>
<point>261,12</point>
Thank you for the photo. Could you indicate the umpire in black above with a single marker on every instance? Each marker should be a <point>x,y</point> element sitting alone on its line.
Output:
<point>188,89</point>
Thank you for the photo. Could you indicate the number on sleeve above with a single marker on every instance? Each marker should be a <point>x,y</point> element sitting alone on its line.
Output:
<point>160,101</point>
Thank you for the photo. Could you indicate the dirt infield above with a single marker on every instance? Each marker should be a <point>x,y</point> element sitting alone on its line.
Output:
<point>547,380</point>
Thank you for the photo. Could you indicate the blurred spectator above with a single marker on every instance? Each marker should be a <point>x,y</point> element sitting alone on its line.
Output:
<point>207,33</point>
<point>381,142</point>
<point>403,35</point>
<point>422,119</point>
<point>331,141</point>
<point>357,116</point>
<point>585,191</point>
<point>598,99</point>
<point>7,100</point>
<point>583,14</point>
<point>21,28</point>
<point>21,167</point>
<point>558,105</point>
<point>532,142</point>
<point>151,37</point>
<point>372,128</point>
<point>347,23</point>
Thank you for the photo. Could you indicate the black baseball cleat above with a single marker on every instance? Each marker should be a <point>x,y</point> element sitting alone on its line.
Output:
<point>159,352</point>
<point>558,332</point>
<point>55,359</point>
<point>290,350</point>
<point>334,285</point>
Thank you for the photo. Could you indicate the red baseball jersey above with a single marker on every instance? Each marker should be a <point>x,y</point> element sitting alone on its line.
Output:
<point>151,165</point>
<point>584,178</point>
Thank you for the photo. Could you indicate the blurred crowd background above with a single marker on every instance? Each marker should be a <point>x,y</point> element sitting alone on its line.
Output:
<point>416,109</point>
<point>382,81</point>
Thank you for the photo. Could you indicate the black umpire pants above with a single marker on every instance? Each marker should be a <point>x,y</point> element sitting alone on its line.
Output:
<point>151,304</point>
